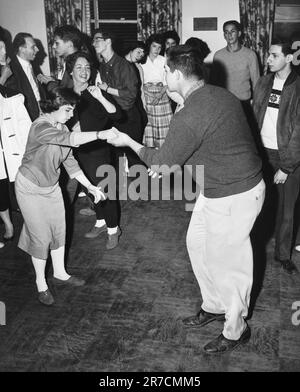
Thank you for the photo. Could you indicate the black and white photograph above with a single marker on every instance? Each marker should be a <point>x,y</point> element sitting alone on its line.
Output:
<point>149,190</point>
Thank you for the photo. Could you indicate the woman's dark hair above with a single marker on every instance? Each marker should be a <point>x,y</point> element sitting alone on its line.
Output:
<point>199,45</point>
<point>58,97</point>
<point>154,38</point>
<point>72,58</point>
<point>171,34</point>
<point>135,45</point>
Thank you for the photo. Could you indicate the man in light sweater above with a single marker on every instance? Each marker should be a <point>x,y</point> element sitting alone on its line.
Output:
<point>235,67</point>
<point>211,130</point>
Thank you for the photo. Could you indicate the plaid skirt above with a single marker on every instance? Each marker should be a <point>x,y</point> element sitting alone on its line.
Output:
<point>159,117</point>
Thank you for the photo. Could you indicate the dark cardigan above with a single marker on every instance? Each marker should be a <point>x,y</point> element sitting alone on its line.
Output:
<point>288,122</point>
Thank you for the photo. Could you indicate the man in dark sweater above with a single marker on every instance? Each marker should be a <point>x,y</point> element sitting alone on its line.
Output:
<point>119,80</point>
<point>212,130</point>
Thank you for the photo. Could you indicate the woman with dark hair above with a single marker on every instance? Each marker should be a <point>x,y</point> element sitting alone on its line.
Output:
<point>158,105</point>
<point>5,73</point>
<point>203,51</point>
<point>37,188</point>
<point>135,52</point>
<point>96,110</point>
<point>170,39</point>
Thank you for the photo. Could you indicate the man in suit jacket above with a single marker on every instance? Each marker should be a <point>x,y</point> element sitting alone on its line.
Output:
<point>23,79</point>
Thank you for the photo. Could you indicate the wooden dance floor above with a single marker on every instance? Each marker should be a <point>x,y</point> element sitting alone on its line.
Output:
<point>127,316</point>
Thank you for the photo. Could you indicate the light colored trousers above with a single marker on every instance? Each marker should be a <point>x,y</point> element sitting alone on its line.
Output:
<point>218,242</point>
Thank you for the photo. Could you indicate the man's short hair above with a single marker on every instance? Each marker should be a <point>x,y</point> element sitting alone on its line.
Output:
<point>106,34</point>
<point>235,23</point>
<point>69,33</point>
<point>285,44</point>
<point>187,60</point>
<point>20,40</point>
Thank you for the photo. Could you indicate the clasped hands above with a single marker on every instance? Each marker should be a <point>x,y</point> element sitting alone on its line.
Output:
<point>119,139</point>
<point>114,137</point>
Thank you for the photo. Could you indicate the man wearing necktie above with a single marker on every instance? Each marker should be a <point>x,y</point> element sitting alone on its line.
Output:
<point>23,79</point>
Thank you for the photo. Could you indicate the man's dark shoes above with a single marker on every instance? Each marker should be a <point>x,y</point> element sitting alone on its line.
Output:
<point>289,267</point>
<point>202,318</point>
<point>95,231</point>
<point>113,239</point>
<point>72,281</point>
<point>45,297</point>
<point>221,344</point>
<point>8,239</point>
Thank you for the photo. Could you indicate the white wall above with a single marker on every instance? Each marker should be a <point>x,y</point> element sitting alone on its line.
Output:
<point>26,16</point>
<point>29,16</point>
<point>222,9</point>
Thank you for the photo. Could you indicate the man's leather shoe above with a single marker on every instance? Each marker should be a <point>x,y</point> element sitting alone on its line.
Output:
<point>222,344</point>
<point>288,266</point>
<point>95,231</point>
<point>72,281</point>
<point>45,297</point>
<point>113,239</point>
<point>87,211</point>
<point>202,318</point>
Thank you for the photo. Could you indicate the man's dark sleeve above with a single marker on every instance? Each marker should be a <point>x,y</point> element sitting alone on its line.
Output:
<point>129,80</point>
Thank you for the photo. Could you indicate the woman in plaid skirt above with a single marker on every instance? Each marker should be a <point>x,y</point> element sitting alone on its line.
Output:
<point>158,105</point>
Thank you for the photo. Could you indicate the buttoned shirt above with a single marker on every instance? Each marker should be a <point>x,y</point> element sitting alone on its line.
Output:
<point>61,71</point>
<point>118,74</point>
<point>154,71</point>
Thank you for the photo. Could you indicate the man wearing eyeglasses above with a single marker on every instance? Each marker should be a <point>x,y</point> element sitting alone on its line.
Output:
<point>120,81</point>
